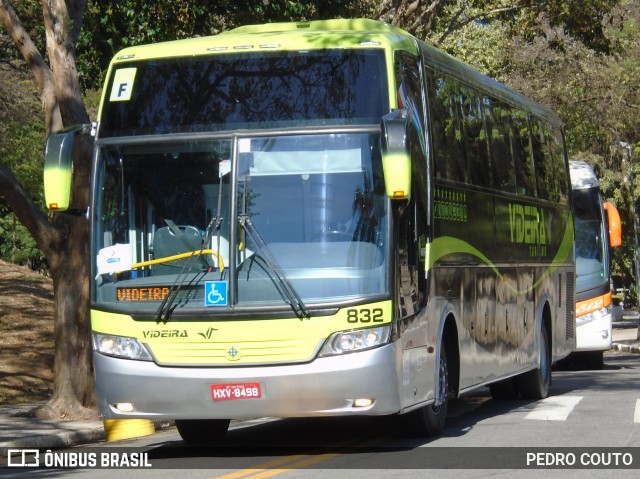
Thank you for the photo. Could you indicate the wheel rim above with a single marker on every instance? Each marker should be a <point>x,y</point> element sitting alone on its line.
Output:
<point>442,385</point>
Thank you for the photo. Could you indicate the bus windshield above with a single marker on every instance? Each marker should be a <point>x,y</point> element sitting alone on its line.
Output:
<point>240,222</point>
<point>248,90</point>
<point>592,269</point>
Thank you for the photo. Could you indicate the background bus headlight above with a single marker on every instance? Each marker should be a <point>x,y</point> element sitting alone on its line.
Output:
<point>594,315</point>
<point>120,347</point>
<point>355,340</point>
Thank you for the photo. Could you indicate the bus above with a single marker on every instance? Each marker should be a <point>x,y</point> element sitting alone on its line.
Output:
<point>325,218</point>
<point>597,228</point>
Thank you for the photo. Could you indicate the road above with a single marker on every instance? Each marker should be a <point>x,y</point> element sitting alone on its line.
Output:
<point>586,410</point>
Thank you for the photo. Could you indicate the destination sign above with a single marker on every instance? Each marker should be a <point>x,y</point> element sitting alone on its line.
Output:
<point>147,293</point>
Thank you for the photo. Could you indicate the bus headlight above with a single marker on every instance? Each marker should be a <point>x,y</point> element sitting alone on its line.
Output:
<point>120,347</point>
<point>355,340</point>
<point>594,315</point>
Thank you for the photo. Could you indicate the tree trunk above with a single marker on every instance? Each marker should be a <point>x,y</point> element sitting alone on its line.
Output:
<point>73,392</point>
<point>65,240</point>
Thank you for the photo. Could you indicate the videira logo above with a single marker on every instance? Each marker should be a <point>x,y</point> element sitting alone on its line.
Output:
<point>208,333</point>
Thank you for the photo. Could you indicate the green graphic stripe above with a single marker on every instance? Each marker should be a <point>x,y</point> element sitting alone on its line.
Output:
<point>446,245</point>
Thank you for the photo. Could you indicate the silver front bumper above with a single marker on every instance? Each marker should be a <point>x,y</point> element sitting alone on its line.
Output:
<point>324,387</point>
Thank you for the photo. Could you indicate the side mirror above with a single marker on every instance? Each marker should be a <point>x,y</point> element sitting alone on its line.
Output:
<point>58,167</point>
<point>396,159</point>
<point>615,226</point>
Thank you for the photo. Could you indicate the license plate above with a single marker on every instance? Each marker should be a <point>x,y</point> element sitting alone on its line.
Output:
<point>226,392</point>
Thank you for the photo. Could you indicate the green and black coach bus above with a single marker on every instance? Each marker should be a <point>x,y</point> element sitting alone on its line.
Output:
<point>325,218</point>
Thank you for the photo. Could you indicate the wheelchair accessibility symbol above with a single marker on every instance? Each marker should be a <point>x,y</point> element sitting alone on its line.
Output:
<point>215,293</point>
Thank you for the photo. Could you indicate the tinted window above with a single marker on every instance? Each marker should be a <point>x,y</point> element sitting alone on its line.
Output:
<point>221,92</point>
<point>410,97</point>
<point>446,128</point>
<point>543,165</point>
<point>475,136</point>
<point>522,158</point>
<point>498,115</point>
<point>560,179</point>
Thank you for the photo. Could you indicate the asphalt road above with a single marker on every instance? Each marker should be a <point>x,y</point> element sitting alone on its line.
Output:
<point>591,416</point>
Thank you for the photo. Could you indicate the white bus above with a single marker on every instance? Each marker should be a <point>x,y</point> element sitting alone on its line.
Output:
<point>597,228</point>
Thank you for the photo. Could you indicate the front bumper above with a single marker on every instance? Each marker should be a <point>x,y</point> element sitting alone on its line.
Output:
<point>323,387</point>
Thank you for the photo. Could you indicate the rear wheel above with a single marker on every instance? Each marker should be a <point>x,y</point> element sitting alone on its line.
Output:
<point>535,384</point>
<point>195,431</point>
<point>428,421</point>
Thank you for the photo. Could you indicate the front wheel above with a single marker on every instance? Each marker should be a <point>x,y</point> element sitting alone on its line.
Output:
<point>428,421</point>
<point>194,431</point>
<point>535,384</point>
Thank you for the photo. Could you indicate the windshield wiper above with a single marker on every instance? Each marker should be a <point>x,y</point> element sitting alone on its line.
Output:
<point>287,290</point>
<point>166,307</point>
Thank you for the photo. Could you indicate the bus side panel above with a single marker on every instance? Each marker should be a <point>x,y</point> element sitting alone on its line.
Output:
<point>506,321</point>
<point>527,314</point>
<point>479,363</point>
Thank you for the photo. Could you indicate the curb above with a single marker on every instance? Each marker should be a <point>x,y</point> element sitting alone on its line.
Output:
<point>57,439</point>
<point>626,348</point>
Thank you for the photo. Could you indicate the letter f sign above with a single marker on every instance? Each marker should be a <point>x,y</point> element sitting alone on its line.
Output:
<point>122,89</point>
<point>122,86</point>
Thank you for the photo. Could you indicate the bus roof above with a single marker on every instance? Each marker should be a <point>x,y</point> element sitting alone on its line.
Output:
<point>335,33</point>
<point>582,175</point>
<point>317,34</point>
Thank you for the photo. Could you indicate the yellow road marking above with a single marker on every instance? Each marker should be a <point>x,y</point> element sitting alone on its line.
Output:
<point>289,463</point>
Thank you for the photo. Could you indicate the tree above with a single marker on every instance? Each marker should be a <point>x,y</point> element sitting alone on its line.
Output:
<point>438,19</point>
<point>63,238</point>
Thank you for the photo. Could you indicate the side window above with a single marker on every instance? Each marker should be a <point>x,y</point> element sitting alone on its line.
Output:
<point>555,142</point>
<point>410,97</point>
<point>541,160</point>
<point>446,129</point>
<point>522,157</point>
<point>498,115</point>
<point>475,135</point>
<point>411,287</point>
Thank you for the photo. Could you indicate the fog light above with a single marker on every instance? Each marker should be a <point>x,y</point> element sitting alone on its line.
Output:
<point>362,402</point>
<point>124,407</point>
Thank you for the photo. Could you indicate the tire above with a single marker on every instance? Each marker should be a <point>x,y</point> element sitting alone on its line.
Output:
<point>535,383</point>
<point>194,431</point>
<point>429,421</point>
